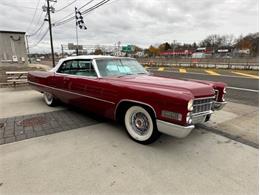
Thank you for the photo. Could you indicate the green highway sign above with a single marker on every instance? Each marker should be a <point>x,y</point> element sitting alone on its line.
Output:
<point>128,48</point>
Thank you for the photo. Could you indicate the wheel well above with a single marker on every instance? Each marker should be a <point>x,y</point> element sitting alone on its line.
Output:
<point>123,106</point>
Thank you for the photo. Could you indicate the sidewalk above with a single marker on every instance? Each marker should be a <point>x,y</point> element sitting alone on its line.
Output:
<point>102,159</point>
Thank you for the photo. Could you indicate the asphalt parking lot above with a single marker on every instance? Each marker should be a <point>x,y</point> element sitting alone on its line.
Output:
<point>81,154</point>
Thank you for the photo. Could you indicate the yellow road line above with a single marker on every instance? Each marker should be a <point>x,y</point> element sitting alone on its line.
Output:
<point>161,69</point>
<point>182,70</point>
<point>247,75</point>
<point>212,72</point>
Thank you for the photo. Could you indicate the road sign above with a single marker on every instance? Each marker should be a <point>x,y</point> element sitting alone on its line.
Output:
<point>128,48</point>
<point>71,46</point>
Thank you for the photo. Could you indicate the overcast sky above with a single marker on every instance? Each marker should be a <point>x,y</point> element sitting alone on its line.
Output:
<point>139,22</point>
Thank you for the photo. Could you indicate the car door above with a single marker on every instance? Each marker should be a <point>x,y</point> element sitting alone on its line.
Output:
<point>85,87</point>
<point>60,81</point>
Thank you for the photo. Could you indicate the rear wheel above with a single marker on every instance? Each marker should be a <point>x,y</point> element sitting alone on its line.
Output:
<point>49,99</point>
<point>140,125</point>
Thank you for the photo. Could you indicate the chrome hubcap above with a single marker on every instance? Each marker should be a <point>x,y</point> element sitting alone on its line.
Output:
<point>48,96</point>
<point>140,123</point>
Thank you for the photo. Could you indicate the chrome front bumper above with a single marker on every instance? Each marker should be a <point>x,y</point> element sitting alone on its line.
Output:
<point>182,131</point>
<point>173,129</point>
<point>219,105</point>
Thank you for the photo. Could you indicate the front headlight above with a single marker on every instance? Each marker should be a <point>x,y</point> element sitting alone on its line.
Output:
<point>188,118</point>
<point>190,105</point>
<point>224,93</point>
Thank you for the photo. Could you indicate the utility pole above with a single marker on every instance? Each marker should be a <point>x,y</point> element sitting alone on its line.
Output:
<point>77,37</point>
<point>173,47</point>
<point>62,51</point>
<point>48,9</point>
<point>28,50</point>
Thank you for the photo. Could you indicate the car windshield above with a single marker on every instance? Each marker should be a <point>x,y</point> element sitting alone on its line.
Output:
<point>119,67</point>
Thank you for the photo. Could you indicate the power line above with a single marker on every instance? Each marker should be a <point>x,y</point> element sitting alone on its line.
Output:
<point>20,6</point>
<point>43,36</point>
<point>72,14</point>
<point>85,4</point>
<point>38,21</point>
<point>37,36</point>
<point>38,2</point>
<point>38,29</point>
<point>58,10</point>
<point>95,7</point>
<point>83,13</point>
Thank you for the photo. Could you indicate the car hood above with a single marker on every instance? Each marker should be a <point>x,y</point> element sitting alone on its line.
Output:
<point>196,88</point>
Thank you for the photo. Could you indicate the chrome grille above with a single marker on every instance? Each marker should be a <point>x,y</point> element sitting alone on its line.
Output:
<point>216,94</point>
<point>201,105</point>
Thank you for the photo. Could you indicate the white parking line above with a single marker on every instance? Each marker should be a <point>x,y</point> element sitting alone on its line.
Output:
<point>244,89</point>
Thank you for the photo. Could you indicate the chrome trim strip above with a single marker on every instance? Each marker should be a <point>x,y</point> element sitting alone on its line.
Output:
<point>201,113</point>
<point>134,101</point>
<point>65,60</point>
<point>216,94</point>
<point>173,129</point>
<point>203,104</point>
<point>219,105</point>
<point>209,97</point>
<point>77,76</point>
<point>96,68</point>
<point>66,91</point>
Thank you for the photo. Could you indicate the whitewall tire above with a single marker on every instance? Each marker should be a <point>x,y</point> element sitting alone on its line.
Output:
<point>140,125</point>
<point>49,99</point>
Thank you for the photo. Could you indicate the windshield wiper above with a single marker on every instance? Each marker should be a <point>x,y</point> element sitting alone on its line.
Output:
<point>142,73</point>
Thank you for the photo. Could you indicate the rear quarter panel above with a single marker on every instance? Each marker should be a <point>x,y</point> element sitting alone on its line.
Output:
<point>38,80</point>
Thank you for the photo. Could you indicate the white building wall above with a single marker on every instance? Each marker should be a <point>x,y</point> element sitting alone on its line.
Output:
<point>12,48</point>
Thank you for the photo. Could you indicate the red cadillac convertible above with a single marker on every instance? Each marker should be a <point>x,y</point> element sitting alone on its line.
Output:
<point>121,89</point>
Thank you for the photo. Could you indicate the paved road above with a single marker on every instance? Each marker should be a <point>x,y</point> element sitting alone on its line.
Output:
<point>241,89</point>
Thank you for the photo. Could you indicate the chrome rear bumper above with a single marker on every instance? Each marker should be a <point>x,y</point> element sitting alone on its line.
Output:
<point>173,129</point>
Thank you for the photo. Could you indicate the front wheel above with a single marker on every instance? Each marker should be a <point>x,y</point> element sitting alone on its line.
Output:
<point>49,99</point>
<point>140,125</point>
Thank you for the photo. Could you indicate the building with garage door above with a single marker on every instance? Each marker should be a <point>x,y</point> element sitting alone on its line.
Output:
<point>12,48</point>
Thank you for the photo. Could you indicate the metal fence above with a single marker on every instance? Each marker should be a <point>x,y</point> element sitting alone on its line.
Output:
<point>225,63</point>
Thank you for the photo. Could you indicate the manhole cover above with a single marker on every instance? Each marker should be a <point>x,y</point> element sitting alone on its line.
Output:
<point>39,120</point>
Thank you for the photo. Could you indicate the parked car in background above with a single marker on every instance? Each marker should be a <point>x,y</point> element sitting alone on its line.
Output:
<point>121,89</point>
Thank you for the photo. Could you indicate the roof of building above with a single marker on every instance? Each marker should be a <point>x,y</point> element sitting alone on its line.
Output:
<point>14,32</point>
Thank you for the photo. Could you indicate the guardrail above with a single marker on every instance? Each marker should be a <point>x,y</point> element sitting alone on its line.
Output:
<point>245,64</point>
<point>205,65</point>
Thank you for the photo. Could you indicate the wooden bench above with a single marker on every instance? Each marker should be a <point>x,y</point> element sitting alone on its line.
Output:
<point>16,77</point>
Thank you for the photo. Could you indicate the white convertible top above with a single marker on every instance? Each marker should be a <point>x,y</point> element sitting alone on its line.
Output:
<point>91,57</point>
<point>85,57</point>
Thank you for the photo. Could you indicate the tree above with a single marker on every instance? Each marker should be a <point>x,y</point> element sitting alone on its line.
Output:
<point>250,41</point>
<point>98,52</point>
<point>153,51</point>
<point>137,49</point>
<point>165,46</point>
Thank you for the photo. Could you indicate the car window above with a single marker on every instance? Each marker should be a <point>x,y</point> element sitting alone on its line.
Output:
<point>78,67</point>
<point>119,67</point>
<point>65,67</point>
